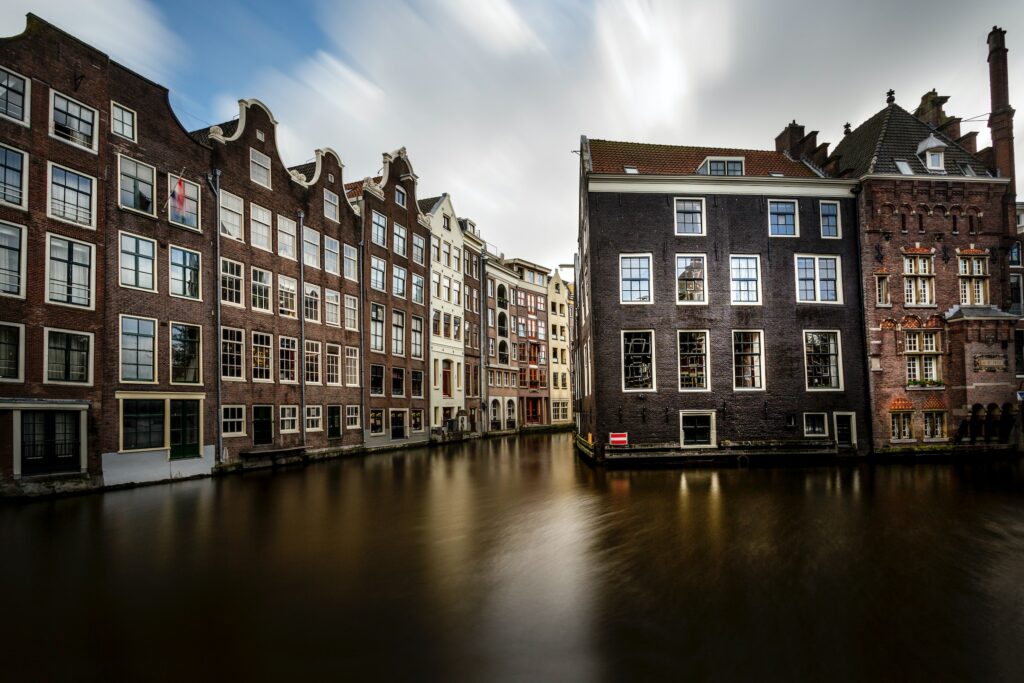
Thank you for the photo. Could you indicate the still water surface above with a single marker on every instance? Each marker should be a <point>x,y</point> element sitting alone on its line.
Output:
<point>510,559</point>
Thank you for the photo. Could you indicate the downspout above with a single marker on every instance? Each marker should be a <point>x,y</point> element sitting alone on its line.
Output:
<point>214,180</point>
<point>300,306</point>
<point>364,362</point>
<point>485,402</point>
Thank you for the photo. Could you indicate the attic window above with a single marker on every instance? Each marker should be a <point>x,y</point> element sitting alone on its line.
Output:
<point>932,150</point>
<point>967,170</point>
<point>775,174</point>
<point>630,169</point>
<point>903,167</point>
<point>936,161</point>
<point>330,177</point>
<point>259,135</point>
<point>721,166</point>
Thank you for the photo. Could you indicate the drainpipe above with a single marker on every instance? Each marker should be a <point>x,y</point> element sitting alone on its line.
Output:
<point>214,180</point>
<point>300,308</point>
<point>364,362</point>
<point>485,401</point>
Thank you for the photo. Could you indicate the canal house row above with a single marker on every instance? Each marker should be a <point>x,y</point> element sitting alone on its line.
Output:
<point>179,302</point>
<point>790,302</point>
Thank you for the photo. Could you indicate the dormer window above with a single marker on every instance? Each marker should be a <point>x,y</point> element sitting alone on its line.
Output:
<point>721,166</point>
<point>399,196</point>
<point>932,150</point>
<point>903,167</point>
<point>935,162</point>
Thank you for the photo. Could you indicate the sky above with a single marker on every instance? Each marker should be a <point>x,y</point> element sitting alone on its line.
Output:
<point>490,97</point>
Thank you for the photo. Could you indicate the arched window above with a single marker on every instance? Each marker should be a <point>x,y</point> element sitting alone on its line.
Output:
<point>502,297</point>
<point>503,353</point>
<point>495,414</point>
<point>510,414</point>
<point>502,325</point>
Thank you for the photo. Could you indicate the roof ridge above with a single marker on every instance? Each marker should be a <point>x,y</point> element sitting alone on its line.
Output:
<point>708,147</point>
<point>881,136</point>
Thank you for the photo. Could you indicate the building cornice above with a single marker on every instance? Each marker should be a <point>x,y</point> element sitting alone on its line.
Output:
<point>735,185</point>
<point>917,177</point>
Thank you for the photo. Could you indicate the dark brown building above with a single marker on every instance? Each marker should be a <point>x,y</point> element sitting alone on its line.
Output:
<point>473,247</point>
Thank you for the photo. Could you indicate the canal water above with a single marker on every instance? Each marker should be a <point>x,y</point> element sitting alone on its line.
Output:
<point>509,559</point>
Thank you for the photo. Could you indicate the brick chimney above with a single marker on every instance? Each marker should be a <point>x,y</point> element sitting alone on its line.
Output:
<point>1000,118</point>
<point>931,111</point>
<point>789,139</point>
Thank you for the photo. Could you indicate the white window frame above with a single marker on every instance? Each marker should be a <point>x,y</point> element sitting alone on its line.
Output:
<point>332,246</point>
<point>707,362</point>
<point>172,180</point>
<point>654,363</point>
<point>242,354</point>
<point>92,357</point>
<point>760,289</point>
<point>707,162</point>
<point>270,290</point>
<point>840,369</point>
<point>941,166</point>
<point>817,279</point>
<point>358,416</point>
<point>650,269</point>
<point>300,359</point>
<point>349,251</point>
<point>334,296</point>
<point>839,219</point>
<point>95,124</point>
<point>241,217</point>
<point>49,197</point>
<point>345,301</point>
<point>707,294</point>
<point>21,354</point>
<point>332,204</point>
<point>224,432</point>
<point>114,106</point>
<point>713,436</point>
<point>796,216</point>
<point>255,208</point>
<point>120,205</point>
<point>156,350</point>
<point>220,284</point>
<point>763,361</point>
<point>23,261</point>
<point>294,241</point>
<point>308,289</point>
<point>256,157</point>
<point>703,217</point>
<point>384,277</point>
<point>281,418</point>
<point>401,196</point>
<point>824,417</point>
<point>24,179</point>
<point>170,264</point>
<point>156,262</point>
<point>92,274</point>
<point>273,357</point>
<point>308,231</point>
<point>27,121</point>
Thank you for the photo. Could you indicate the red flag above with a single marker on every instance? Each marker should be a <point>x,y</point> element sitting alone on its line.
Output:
<point>178,195</point>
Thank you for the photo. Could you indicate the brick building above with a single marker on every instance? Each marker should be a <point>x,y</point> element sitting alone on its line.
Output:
<point>560,349</point>
<point>473,299</point>
<point>531,348</point>
<point>503,367</point>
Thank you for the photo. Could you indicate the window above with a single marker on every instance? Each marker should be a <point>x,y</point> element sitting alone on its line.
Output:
<point>823,360</point>
<point>287,355</point>
<point>231,215</point>
<point>352,366</point>
<point>332,369</point>
<point>379,230</point>
<point>974,280</point>
<point>183,203</point>
<point>416,420</point>
<point>922,351</point>
<point>311,303</point>
<point>1016,294</point>
<point>693,360</point>
<point>376,421</point>
<point>398,240</point>
<point>142,424</point>
<point>351,263</point>
<point>137,180</point>
<point>68,356</point>
<point>262,353</point>
<point>435,248</point>
<point>416,381</point>
<point>122,121</point>
<point>398,382</point>
<point>722,166</point>
<point>377,273</point>
<point>13,178</point>
<point>638,372</point>
<point>417,289</point>
<point>351,312</point>
<point>332,307</point>
<point>435,284</point>
<point>817,279</point>
<point>72,121</point>
<point>138,258</point>
<point>934,425</point>
<point>1014,257</point>
<point>418,247</point>
<point>446,254</point>
<point>635,279</point>
<point>70,280</point>
<point>416,338</point>
<point>287,293</point>
<point>289,419</point>
<point>696,429</point>
<point>903,167</point>
<point>186,354</point>
<point>782,218</point>
<point>376,380</point>
<point>71,196</point>
<point>400,196</point>
<point>829,212</point>
<point>12,263</point>
<point>747,360</point>
<point>377,328</point>
<point>745,279</point>
<point>138,349</point>
<point>312,362</point>
<point>330,205</point>
<point>231,276</point>
<point>935,161</point>
<point>259,168</point>
<point>261,284</point>
<point>12,355</point>
<point>14,96</point>
<point>398,281</point>
<point>815,424</point>
<point>398,333</point>
<point>332,255</point>
<point>232,420</point>
<point>351,417</point>
<point>259,227</point>
<point>286,237</point>
<point>691,279</point>
<point>310,247</point>
<point>882,291</point>
<point>232,348</point>
<point>901,428</point>
<point>918,280</point>
<point>689,216</point>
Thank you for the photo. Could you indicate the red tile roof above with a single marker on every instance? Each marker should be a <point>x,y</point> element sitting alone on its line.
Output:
<point>608,156</point>
<point>917,250</point>
<point>355,188</point>
<point>974,252</point>
<point>934,403</point>
<point>901,404</point>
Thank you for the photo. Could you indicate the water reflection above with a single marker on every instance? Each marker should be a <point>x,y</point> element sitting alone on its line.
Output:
<point>511,559</point>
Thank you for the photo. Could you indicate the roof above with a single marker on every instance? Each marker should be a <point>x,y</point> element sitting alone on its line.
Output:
<point>307,169</point>
<point>979,313</point>
<point>203,134</point>
<point>894,133</point>
<point>608,156</point>
<point>427,205</point>
<point>354,189</point>
<point>901,403</point>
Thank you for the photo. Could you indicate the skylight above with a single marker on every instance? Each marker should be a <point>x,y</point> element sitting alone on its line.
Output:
<point>630,169</point>
<point>967,170</point>
<point>903,167</point>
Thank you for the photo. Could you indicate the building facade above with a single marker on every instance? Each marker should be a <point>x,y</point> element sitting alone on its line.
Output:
<point>531,349</point>
<point>502,390</point>
<point>473,248</point>
<point>560,349</point>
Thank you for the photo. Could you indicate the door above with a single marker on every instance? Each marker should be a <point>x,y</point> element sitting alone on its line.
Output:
<point>50,442</point>
<point>262,425</point>
<point>397,424</point>
<point>844,431</point>
<point>184,429</point>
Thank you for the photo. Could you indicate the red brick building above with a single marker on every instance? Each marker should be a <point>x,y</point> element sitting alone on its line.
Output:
<point>532,345</point>
<point>473,297</point>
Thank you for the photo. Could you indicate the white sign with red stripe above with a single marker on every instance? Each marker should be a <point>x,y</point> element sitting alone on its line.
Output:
<point>618,438</point>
